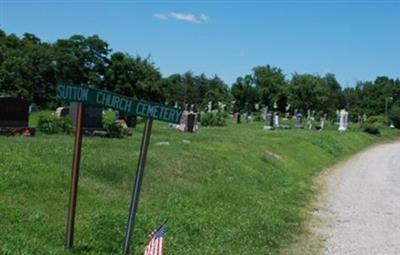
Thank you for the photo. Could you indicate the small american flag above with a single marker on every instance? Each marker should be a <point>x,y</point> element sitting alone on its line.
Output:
<point>156,242</point>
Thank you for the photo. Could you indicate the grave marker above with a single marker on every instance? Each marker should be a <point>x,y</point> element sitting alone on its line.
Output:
<point>269,122</point>
<point>236,118</point>
<point>299,120</point>
<point>62,112</point>
<point>14,116</point>
<point>93,119</point>
<point>343,120</point>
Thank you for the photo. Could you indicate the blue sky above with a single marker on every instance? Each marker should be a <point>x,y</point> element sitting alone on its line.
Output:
<point>356,40</point>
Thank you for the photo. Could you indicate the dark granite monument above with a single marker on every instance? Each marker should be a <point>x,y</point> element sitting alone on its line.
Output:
<point>93,118</point>
<point>14,116</point>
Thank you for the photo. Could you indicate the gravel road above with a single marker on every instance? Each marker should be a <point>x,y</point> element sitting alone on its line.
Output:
<point>362,204</point>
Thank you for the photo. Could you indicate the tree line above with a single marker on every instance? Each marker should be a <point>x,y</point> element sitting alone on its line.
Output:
<point>31,69</point>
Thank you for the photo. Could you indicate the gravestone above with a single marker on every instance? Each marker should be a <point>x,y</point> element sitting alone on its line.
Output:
<point>62,112</point>
<point>299,120</point>
<point>236,118</point>
<point>93,118</point>
<point>129,120</point>
<point>14,116</point>
<point>265,112</point>
<point>269,122</point>
<point>321,124</point>
<point>188,122</point>
<point>343,120</point>
<point>276,120</point>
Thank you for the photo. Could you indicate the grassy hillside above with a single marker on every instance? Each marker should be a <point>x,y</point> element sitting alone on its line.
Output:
<point>231,190</point>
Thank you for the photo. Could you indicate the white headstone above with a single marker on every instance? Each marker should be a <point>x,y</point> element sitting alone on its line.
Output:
<point>343,120</point>
<point>276,120</point>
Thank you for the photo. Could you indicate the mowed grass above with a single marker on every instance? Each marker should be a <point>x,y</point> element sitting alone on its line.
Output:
<point>231,190</point>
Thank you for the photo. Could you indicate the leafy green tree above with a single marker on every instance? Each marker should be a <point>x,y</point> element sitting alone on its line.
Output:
<point>134,77</point>
<point>244,91</point>
<point>309,92</point>
<point>81,60</point>
<point>271,85</point>
<point>27,69</point>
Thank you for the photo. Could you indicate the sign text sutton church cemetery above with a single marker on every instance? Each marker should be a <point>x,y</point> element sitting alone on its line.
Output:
<point>117,102</point>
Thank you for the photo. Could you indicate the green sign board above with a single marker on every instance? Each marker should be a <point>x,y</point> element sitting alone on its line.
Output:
<point>130,106</point>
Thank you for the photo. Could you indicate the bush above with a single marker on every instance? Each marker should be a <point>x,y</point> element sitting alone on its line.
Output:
<point>370,129</point>
<point>49,124</point>
<point>378,121</point>
<point>114,128</point>
<point>214,118</point>
<point>394,115</point>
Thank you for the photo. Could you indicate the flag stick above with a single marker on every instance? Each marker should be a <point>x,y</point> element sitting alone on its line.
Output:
<point>138,184</point>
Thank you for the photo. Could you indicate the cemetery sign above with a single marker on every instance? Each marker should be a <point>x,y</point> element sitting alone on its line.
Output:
<point>87,97</point>
<point>127,105</point>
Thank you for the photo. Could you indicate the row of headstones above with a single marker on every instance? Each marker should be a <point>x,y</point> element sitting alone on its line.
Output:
<point>14,114</point>
<point>272,120</point>
<point>93,119</point>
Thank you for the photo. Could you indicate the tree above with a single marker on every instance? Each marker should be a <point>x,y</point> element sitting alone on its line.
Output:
<point>271,85</point>
<point>243,91</point>
<point>134,77</point>
<point>335,95</point>
<point>216,91</point>
<point>27,70</point>
<point>309,92</point>
<point>81,60</point>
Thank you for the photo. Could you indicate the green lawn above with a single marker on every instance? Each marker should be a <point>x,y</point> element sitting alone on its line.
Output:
<point>231,190</point>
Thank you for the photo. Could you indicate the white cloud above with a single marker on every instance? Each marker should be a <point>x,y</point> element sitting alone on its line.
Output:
<point>160,16</point>
<point>185,17</point>
<point>189,17</point>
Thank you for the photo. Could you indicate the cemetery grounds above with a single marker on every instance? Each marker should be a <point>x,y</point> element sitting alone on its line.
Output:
<point>224,190</point>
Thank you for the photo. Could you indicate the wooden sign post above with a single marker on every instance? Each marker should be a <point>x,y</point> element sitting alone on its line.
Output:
<point>128,106</point>
<point>73,193</point>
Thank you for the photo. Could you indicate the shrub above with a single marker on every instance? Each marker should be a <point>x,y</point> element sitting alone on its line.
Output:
<point>114,128</point>
<point>394,115</point>
<point>371,129</point>
<point>49,124</point>
<point>377,121</point>
<point>65,125</point>
<point>214,118</point>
